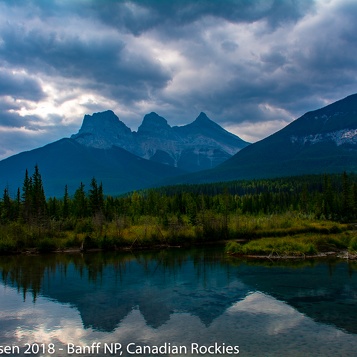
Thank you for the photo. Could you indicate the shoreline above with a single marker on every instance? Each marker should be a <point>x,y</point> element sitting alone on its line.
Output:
<point>36,251</point>
<point>344,254</point>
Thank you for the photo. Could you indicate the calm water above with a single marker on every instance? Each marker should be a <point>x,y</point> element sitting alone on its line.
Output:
<point>183,301</point>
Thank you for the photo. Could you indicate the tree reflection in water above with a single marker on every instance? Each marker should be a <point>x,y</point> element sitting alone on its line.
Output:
<point>106,287</point>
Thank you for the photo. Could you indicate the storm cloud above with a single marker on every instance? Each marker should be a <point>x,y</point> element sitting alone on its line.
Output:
<point>252,66</point>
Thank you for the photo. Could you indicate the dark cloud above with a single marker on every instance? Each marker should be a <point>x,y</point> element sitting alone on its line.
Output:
<point>14,120</point>
<point>20,85</point>
<point>141,15</point>
<point>8,119</point>
<point>239,61</point>
<point>99,62</point>
<point>138,16</point>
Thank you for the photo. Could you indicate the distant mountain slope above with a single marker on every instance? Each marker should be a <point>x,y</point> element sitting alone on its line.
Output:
<point>321,141</point>
<point>68,162</point>
<point>200,145</point>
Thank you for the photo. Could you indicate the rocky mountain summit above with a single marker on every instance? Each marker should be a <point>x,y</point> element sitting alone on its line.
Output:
<point>200,145</point>
<point>320,141</point>
<point>103,130</point>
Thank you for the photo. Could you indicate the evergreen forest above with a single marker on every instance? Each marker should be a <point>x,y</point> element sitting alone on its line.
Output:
<point>177,215</point>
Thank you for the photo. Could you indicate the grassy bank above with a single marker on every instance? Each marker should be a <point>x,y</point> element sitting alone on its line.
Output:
<point>306,245</point>
<point>151,231</point>
<point>177,215</point>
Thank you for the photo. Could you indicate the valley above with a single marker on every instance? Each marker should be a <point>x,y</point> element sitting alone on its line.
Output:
<point>110,188</point>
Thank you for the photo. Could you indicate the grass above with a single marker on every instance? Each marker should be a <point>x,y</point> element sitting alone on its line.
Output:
<point>289,233</point>
<point>352,247</point>
<point>300,245</point>
<point>280,225</point>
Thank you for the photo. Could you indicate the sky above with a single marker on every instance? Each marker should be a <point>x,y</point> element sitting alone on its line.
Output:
<point>251,66</point>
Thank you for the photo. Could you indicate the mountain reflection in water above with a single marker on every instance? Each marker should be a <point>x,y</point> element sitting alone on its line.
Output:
<point>158,284</point>
<point>182,296</point>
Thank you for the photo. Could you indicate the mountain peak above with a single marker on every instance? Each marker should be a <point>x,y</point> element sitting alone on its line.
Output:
<point>319,142</point>
<point>203,122</point>
<point>203,119</point>
<point>153,122</point>
<point>102,120</point>
<point>102,130</point>
<point>196,146</point>
<point>100,117</point>
<point>202,116</point>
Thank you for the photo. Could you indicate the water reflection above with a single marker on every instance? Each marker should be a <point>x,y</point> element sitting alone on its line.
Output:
<point>323,290</point>
<point>180,297</point>
<point>158,284</point>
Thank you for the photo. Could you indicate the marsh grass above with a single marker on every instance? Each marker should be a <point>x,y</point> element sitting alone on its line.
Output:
<point>149,231</point>
<point>352,247</point>
<point>299,245</point>
<point>280,225</point>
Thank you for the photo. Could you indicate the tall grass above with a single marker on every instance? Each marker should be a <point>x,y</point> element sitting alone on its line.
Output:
<point>148,231</point>
<point>300,245</point>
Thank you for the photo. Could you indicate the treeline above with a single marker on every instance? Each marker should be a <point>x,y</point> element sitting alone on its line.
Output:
<point>177,215</point>
<point>31,206</point>
<point>332,197</point>
<point>329,196</point>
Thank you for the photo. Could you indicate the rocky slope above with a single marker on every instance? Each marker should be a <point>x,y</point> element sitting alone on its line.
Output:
<point>200,145</point>
<point>321,141</point>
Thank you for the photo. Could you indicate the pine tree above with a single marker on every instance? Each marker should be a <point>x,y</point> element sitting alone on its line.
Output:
<point>6,212</point>
<point>65,209</point>
<point>328,196</point>
<point>347,209</point>
<point>38,195</point>
<point>80,206</point>
<point>93,196</point>
<point>53,208</point>
<point>18,204</point>
<point>100,197</point>
<point>27,198</point>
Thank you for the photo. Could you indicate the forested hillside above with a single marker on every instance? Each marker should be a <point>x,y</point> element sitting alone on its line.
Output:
<point>175,214</point>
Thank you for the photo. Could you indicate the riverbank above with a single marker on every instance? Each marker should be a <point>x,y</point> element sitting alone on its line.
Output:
<point>342,245</point>
<point>340,255</point>
<point>148,232</point>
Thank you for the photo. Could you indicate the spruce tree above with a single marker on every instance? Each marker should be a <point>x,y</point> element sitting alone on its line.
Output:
<point>96,198</point>
<point>18,204</point>
<point>80,206</point>
<point>65,210</point>
<point>6,212</point>
<point>38,195</point>
<point>27,198</point>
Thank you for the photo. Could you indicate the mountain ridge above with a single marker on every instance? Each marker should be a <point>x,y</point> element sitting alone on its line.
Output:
<point>66,162</point>
<point>105,148</point>
<point>318,142</point>
<point>199,145</point>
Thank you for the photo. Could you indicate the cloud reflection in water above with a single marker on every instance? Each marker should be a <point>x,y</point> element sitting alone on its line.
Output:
<point>258,324</point>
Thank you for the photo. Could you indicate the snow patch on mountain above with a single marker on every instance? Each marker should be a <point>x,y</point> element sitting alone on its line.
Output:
<point>340,137</point>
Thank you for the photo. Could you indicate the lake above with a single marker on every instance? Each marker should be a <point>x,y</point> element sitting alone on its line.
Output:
<point>177,302</point>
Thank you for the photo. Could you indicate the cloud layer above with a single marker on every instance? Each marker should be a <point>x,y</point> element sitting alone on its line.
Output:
<point>251,66</point>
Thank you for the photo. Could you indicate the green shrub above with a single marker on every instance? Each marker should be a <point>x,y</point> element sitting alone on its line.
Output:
<point>73,241</point>
<point>286,246</point>
<point>84,226</point>
<point>353,245</point>
<point>329,243</point>
<point>107,243</point>
<point>46,245</point>
<point>234,248</point>
<point>7,246</point>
